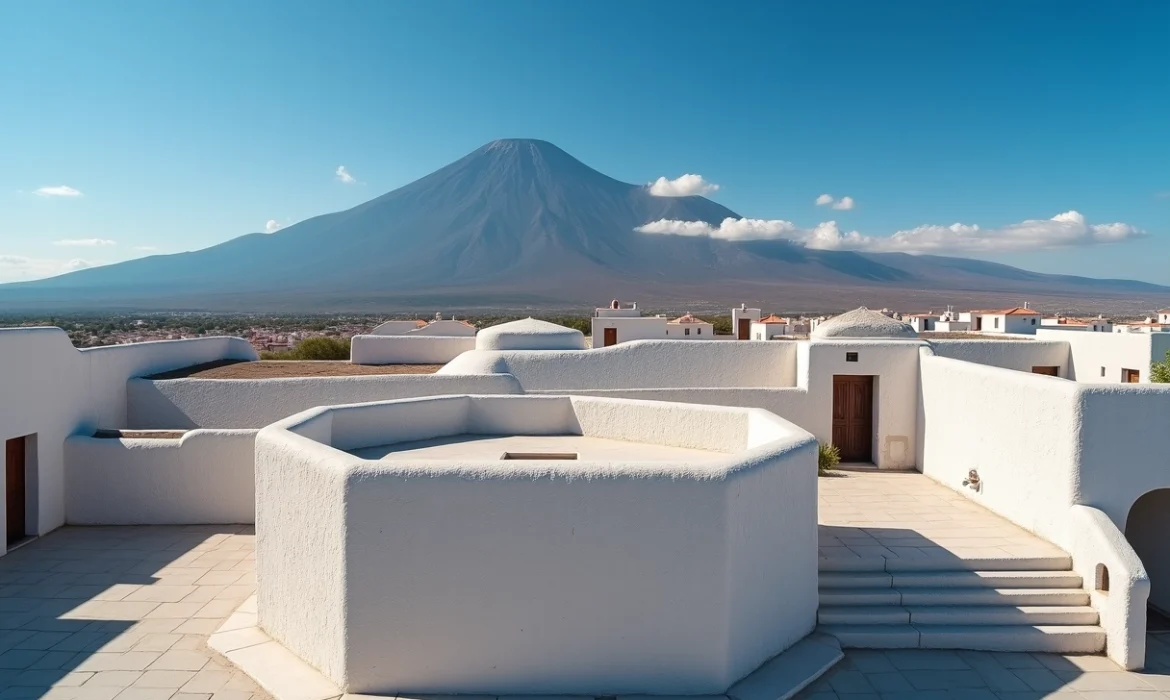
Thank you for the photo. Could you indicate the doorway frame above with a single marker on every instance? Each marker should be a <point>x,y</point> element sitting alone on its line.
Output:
<point>29,479</point>
<point>607,334</point>
<point>871,448</point>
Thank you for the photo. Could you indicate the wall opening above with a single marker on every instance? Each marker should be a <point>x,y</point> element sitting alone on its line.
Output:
<point>1146,528</point>
<point>853,402</point>
<point>1101,582</point>
<point>1130,376</point>
<point>539,455</point>
<point>1046,370</point>
<point>20,488</point>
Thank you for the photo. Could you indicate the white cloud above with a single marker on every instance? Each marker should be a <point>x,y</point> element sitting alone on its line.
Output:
<point>84,242</point>
<point>18,268</point>
<point>683,186</point>
<point>843,204</point>
<point>146,248</point>
<point>273,226</point>
<point>58,191</point>
<point>1065,230</point>
<point>344,176</point>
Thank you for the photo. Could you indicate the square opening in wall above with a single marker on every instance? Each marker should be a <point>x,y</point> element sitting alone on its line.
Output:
<point>851,357</point>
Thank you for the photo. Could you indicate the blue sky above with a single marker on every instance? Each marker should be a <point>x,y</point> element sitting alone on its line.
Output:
<point>184,124</point>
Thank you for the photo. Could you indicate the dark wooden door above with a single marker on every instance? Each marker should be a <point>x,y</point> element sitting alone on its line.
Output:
<point>1130,376</point>
<point>853,417</point>
<point>610,337</point>
<point>1050,371</point>
<point>14,488</point>
<point>745,329</point>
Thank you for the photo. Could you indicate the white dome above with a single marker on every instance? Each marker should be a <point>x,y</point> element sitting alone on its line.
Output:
<point>863,323</point>
<point>529,334</point>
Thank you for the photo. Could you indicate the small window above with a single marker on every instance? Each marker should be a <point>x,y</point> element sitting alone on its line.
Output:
<point>1102,371</point>
<point>1033,322</point>
<point>700,330</point>
<point>997,322</point>
<point>686,331</point>
<point>851,357</point>
<point>1102,578</point>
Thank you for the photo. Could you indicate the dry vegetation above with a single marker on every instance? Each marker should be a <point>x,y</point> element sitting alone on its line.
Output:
<point>273,369</point>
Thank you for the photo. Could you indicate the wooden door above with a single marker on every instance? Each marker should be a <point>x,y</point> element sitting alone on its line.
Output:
<point>14,489</point>
<point>610,337</point>
<point>745,329</point>
<point>1130,376</point>
<point>853,417</point>
<point>1046,370</point>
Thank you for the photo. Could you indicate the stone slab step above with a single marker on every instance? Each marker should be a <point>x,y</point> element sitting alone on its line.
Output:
<point>1071,639</point>
<point>958,615</point>
<point>784,676</point>
<point>953,596</point>
<point>950,579</point>
<point>1061,562</point>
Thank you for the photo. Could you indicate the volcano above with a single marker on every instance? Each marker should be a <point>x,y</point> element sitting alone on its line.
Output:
<point>521,223</point>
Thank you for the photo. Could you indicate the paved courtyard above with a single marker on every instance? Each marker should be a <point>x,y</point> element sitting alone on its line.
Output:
<point>905,514</point>
<point>125,612</point>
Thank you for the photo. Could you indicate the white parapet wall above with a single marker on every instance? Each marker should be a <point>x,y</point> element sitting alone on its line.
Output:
<point>205,477</point>
<point>535,576</point>
<point>169,404</point>
<point>49,390</point>
<point>1021,355</point>
<point>1101,358</point>
<point>408,349</point>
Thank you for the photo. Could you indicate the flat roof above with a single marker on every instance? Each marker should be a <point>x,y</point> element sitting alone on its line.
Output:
<point>493,447</point>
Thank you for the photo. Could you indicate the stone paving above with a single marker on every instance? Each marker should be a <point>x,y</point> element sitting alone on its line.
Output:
<point>923,674</point>
<point>123,612</point>
<point>899,515</point>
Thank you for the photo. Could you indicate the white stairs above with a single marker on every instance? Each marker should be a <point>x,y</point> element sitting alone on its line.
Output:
<point>1035,604</point>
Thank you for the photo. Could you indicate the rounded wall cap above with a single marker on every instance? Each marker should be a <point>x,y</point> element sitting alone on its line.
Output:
<point>529,334</point>
<point>863,323</point>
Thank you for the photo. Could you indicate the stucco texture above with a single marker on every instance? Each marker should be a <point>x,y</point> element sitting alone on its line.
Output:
<point>475,577</point>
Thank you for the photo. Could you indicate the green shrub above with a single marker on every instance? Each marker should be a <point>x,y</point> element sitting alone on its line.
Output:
<point>1160,371</point>
<point>317,348</point>
<point>828,457</point>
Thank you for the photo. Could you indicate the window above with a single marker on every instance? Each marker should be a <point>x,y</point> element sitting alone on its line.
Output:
<point>1130,376</point>
<point>851,357</point>
<point>700,331</point>
<point>1102,371</point>
<point>1033,322</point>
<point>997,321</point>
<point>686,331</point>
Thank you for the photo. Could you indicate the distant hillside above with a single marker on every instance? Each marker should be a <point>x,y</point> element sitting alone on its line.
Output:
<point>520,223</point>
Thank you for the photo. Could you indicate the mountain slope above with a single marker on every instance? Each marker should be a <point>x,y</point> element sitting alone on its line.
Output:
<point>516,219</point>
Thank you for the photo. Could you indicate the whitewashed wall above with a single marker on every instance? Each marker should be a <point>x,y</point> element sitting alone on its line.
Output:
<point>628,329</point>
<point>1020,355</point>
<point>535,565</point>
<point>640,364</point>
<point>1098,358</point>
<point>235,403</point>
<point>408,349</point>
<point>51,389</point>
<point>205,477</point>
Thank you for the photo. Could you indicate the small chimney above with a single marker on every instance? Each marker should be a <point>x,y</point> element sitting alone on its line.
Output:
<point>1026,305</point>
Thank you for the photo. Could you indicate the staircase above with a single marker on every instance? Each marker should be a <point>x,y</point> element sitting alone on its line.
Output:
<point>1034,604</point>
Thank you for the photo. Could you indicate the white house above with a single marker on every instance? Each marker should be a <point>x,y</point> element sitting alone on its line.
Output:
<point>1110,358</point>
<point>1164,316</point>
<point>771,327</point>
<point>619,324</point>
<point>951,322</point>
<point>688,327</point>
<point>1152,324</point>
<point>1020,320</point>
<point>921,322</point>
<point>1100,324</point>
<point>742,320</point>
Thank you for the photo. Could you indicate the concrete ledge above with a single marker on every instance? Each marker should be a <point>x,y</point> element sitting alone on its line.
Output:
<point>791,672</point>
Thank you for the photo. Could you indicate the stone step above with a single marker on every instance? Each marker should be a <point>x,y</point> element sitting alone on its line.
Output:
<point>912,597</point>
<point>1059,639</point>
<point>950,579</point>
<point>958,615</point>
<point>1061,562</point>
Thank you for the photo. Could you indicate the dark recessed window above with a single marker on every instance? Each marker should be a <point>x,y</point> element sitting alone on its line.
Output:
<point>851,357</point>
<point>1102,371</point>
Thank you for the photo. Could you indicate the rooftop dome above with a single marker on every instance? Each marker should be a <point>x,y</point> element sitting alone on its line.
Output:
<point>863,323</point>
<point>529,334</point>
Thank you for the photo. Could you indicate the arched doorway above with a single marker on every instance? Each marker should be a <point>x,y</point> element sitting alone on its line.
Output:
<point>1148,530</point>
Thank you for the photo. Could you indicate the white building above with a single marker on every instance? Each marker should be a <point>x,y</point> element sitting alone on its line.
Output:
<point>687,327</point>
<point>619,324</point>
<point>1020,320</point>
<point>1092,325</point>
<point>742,320</point>
<point>1151,324</point>
<point>628,552</point>
<point>951,322</point>
<point>1164,316</point>
<point>771,327</point>
<point>921,323</point>
<point>437,326</point>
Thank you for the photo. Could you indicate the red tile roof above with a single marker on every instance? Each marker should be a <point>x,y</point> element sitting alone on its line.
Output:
<point>772,318</point>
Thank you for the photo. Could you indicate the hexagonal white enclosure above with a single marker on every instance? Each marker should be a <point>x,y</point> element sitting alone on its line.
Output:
<point>536,544</point>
